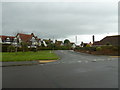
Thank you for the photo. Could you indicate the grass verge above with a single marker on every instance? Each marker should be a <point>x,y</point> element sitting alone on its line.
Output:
<point>28,56</point>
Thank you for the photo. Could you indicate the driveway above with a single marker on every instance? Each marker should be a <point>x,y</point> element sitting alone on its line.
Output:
<point>73,70</point>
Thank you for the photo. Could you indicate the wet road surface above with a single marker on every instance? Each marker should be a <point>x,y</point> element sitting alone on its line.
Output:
<point>73,70</point>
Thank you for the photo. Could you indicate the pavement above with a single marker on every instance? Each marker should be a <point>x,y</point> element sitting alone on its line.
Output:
<point>21,63</point>
<point>73,70</point>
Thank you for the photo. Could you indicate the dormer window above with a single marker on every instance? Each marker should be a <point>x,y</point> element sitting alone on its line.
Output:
<point>8,39</point>
<point>15,38</point>
<point>33,39</point>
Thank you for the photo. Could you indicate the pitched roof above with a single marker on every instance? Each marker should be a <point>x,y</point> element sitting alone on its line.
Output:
<point>58,42</point>
<point>96,43</point>
<point>72,43</point>
<point>25,37</point>
<point>5,37</point>
<point>113,40</point>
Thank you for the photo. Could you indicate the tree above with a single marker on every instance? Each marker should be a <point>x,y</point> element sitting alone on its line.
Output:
<point>82,44</point>
<point>24,46</point>
<point>66,42</point>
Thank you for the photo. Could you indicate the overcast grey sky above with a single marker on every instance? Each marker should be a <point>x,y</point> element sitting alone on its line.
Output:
<point>60,19</point>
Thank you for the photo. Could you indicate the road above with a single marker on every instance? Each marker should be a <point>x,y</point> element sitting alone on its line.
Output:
<point>73,70</point>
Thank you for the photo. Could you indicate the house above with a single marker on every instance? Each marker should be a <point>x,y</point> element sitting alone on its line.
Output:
<point>58,43</point>
<point>6,39</point>
<point>89,44</point>
<point>30,39</point>
<point>108,40</point>
<point>73,45</point>
<point>0,40</point>
<point>46,43</point>
<point>83,44</point>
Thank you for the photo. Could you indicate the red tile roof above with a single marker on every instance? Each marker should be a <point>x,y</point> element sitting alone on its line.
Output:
<point>5,37</point>
<point>25,37</point>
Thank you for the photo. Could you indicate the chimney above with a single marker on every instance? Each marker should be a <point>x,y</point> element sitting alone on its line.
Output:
<point>93,37</point>
<point>32,34</point>
<point>55,40</point>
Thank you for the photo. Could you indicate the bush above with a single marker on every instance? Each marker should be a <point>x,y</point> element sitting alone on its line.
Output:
<point>0,47</point>
<point>5,47</point>
<point>11,48</point>
<point>44,48</point>
<point>107,47</point>
<point>55,48</point>
<point>115,48</point>
<point>87,45</point>
<point>86,48</point>
<point>24,46</point>
<point>62,48</point>
<point>98,49</point>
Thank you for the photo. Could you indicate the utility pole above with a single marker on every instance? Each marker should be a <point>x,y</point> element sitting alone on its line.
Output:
<point>76,39</point>
<point>53,43</point>
<point>93,37</point>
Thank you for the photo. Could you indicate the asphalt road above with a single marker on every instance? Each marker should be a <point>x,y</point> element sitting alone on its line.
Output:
<point>73,70</point>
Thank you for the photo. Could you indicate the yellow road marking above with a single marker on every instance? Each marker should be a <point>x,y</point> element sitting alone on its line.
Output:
<point>115,56</point>
<point>46,61</point>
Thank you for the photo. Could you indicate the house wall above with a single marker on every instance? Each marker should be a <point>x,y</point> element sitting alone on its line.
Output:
<point>44,43</point>
<point>110,40</point>
<point>34,41</point>
<point>0,40</point>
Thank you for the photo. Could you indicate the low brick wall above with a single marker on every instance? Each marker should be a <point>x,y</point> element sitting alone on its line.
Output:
<point>102,52</point>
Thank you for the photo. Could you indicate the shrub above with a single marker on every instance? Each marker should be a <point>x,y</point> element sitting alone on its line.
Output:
<point>87,45</point>
<point>107,43</point>
<point>44,48</point>
<point>11,48</point>
<point>24,46</point>
<point>4,48</point>
<point>107,47</point>
<point>86,48</point>
<point>98,48</point>
<point>115,48</point>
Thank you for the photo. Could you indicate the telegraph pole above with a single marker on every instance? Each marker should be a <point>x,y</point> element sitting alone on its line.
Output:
<point>53,43</point>
<point>93,37</point>
<point>76,39</point>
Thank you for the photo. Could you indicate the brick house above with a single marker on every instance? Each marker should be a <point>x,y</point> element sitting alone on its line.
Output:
<point>108,40</point>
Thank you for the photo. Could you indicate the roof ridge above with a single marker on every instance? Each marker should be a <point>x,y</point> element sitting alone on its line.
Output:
<point>6,36</point>
<point>112,35</point>
<point>24,34</point>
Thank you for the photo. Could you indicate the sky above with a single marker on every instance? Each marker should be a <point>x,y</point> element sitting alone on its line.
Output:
<point>61,20</point>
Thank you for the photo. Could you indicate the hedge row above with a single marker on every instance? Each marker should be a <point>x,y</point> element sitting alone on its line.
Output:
<point>97,48</point>
<point>9,48</point>
<point>103,50</point>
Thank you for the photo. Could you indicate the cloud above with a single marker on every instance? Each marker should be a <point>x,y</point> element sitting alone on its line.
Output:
<point>0,18</point>
<point>59,20</point>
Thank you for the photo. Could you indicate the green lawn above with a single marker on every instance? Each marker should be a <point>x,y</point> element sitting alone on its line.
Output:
<point>28,56</point>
